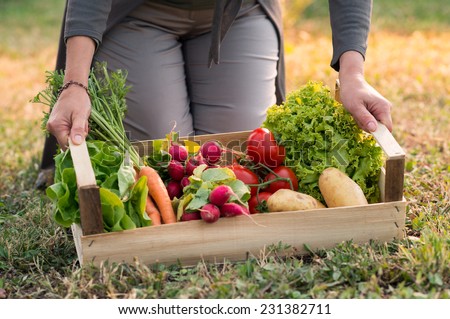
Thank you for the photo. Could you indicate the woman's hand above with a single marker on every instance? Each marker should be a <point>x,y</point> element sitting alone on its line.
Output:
<point>366,105</point>
<point>69,117</point>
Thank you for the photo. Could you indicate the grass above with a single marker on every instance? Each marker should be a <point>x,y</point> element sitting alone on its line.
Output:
<point>409,64</point>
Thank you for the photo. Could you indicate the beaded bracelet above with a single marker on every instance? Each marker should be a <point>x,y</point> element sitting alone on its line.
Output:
<point>69,83</point>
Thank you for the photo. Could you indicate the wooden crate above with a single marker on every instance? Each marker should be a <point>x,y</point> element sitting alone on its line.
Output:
<point>237,237</point>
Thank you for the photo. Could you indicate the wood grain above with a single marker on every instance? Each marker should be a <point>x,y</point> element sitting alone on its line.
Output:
<point>235,238</point>
<point>88,191</point>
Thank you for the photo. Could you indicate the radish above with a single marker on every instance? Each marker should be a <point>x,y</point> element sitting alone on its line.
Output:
<point>178,152</point>
<point>220,195</point>
<point>193,162</point>
<point>210,213</point>
<point>174,189</point>
<point>211,151</point>
<point>233,209</point>
<point>185,181</point>
<point>175,170</point>
<point>187,216</point>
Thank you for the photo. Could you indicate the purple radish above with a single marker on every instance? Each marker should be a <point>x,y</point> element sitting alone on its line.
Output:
<point>211,151</point>
<point>178,152</point>
<point>233,209</point>
<point>220,195</point>
<point>193,162</point>
<point>175,170</point>
<point>187,216</point>
<point>174,189</point>
<point>210,213</point>
<point>185,181</point>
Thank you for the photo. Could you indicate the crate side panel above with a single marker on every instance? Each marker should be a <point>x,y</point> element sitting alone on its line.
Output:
<point>235,238</point>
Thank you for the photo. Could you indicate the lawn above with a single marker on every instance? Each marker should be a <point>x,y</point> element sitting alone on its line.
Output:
<point>408,61</point>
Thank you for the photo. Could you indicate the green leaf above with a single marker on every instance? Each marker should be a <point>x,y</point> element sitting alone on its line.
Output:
<point>241,190</point>
<point>317,133</point>
<point>113,210</point>
<point>137,202</point>
<point>198,171</point>
<point>218,175</point>
<point>200,199</point>
<point>125,176</point>
<point>183,203</point>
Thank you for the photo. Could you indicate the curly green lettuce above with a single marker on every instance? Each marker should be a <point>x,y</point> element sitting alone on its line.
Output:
<point>317,133</point>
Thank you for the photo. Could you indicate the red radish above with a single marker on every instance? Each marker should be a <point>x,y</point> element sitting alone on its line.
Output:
<point>210,213</point>
<point>187,216</point>
<point>185,181</point>
<point>175,170</point>
<point>193,162</point>
<point>174,189</point>
<point>220,195</point>
<point>233,209</point>
<point>211,151</point>
<point>178,152</point>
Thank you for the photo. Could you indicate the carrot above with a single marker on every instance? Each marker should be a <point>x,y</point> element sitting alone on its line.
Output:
<point>158,192</point>
<point>152,211</point>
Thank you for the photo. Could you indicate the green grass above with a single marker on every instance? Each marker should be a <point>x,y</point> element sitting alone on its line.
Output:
<point>38,259</point>
<point>395,15</point>
<point>28,25</point>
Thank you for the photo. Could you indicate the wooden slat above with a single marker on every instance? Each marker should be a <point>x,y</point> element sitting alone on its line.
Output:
<point>88,191</point>
<point>236,237</point>
<point>82,163</point>
<point>388,143</point>
<point>90,210</point>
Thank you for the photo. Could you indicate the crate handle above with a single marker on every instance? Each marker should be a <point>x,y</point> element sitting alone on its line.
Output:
<point>88,192</point>
<point>395,160</point>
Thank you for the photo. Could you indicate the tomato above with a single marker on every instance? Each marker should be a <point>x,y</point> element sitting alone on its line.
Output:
<point>263,148</point>
<point>258,204</point>
<point>246,175</point>
<point>285,172</point>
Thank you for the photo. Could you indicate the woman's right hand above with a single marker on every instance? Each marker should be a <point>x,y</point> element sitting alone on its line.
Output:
<point>69,116</point>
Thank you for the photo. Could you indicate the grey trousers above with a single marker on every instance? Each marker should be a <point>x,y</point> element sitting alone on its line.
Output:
<point>165,51</point>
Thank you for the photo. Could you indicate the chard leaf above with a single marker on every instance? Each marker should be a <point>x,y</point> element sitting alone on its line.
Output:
<point>136,203</point>
<point>125,176</point>
<point>113,210</point>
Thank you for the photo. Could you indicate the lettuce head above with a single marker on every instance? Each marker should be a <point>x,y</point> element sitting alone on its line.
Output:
<point>318,132</point>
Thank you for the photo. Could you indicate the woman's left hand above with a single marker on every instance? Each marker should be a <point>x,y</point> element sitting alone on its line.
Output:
<point>366,104</point>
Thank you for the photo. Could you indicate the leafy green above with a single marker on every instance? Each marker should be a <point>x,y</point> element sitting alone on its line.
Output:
<point>119,211</point>
<point>135,206</point>
<point>317,133</point>
<point>203,181</point>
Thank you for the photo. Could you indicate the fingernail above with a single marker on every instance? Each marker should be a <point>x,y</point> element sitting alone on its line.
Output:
<point>78,139</point>
<point>371,126</point>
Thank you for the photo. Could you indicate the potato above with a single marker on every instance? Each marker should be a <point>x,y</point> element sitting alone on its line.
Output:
<point>284,200</point>
<point>338,189</point>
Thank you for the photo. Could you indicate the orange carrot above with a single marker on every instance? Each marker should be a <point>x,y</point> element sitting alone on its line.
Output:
<point>152,211</point>
<point>159,194</point>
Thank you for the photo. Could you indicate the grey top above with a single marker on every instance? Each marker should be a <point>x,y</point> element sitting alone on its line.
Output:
<point>350,22</point>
